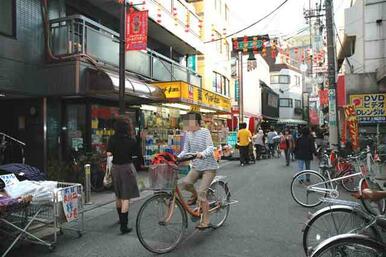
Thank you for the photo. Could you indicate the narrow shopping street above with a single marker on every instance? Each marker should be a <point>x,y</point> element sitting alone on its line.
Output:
<point>265,223</point>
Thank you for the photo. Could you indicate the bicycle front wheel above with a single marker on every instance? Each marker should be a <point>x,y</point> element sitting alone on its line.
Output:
<point>155,230</point>
<point>334,220</point>
<point>218,197</point>
<point>307,187</point>
<point>350,245</point>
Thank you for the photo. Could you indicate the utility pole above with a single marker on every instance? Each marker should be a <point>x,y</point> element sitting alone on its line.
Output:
<point>122,58</point>
<point>333,120</point>
<point>241,89</point>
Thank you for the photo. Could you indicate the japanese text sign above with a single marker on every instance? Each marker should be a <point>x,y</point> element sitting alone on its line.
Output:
<point>9,179</point>
<point>70,204</point>
<point>136,30</point>
<point>370,108</point>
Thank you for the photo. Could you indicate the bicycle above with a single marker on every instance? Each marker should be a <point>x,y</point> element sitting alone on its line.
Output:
<point>162,219</point>
<point>339,218</point>
<point>353,245</point>
<point>323,183</point>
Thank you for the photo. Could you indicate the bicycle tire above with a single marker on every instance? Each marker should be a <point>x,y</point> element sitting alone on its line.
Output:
<point>213,199</point>
<point>351,184</point>
<point>295,181</point>
<point>140,223</point>
<point>372,207</point>
<point>326,217</point>
<point>351,242</point>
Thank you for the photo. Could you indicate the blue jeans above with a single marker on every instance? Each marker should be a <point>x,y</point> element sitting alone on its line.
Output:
<point>301,164</point>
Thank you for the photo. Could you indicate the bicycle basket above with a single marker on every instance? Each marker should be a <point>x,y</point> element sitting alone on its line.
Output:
<point>163,176</point>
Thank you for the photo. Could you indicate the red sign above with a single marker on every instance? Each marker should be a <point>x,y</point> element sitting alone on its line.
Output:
<point>341,91</point>
<point>136,30</point>
<point>323,96</point>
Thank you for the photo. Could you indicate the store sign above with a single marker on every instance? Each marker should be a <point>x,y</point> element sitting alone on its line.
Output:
<point>351,123</point>
<point>250,43</point>
<point>171,90</point>
<point>323,96</point>
<point>136,30</point>
<point>237,91</point>
<point>70,204</point>
<point>370,108</point>
<point>332,107</point>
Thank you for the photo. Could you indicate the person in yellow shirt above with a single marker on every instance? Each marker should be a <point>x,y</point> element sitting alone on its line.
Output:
<point>244,137</point>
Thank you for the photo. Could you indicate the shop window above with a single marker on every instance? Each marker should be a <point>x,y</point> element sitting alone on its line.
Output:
<point>75,126</point>
<point>286,102</point>
<point>102,125</point>
<point>8,18</point>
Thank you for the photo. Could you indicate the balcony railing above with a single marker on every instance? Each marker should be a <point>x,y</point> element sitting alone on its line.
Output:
<point>80,35</point>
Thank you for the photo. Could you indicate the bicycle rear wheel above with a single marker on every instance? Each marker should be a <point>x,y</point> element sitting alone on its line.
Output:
<point>334,220</point>
<point>372,207</point>
<point>218,195</point>
<point>302,192</point>
<point>154,232</point>
<point>350,245</point>
<point>350,184</point>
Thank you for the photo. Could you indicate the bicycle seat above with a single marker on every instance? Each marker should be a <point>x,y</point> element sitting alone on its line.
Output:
<point>381,221</point>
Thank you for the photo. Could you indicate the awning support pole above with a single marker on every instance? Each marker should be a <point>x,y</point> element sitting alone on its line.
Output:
<point>122,59</point>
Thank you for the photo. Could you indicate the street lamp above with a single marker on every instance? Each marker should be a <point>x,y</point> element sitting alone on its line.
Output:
<point>252,64</point>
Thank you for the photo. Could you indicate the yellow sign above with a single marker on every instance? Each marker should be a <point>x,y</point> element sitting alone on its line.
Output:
<point>370,108</point>
<point>186,93</point>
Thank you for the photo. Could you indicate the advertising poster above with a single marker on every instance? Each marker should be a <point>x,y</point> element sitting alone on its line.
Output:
<point>370,108</point>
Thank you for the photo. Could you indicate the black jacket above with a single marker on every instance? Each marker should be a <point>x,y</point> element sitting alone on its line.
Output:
<point>304,148</point>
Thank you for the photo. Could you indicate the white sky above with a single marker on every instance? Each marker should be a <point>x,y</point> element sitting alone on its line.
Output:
<point>286,21</point>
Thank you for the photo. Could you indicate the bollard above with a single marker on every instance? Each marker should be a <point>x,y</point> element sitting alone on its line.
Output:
<point>87,183</point>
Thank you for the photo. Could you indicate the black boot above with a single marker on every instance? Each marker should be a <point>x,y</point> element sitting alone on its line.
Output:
<point>124,220</point>
<point>119,215</point>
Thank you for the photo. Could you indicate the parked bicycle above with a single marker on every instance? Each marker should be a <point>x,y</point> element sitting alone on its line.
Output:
<point>355,245</point>
<point>307,192</point>
<point>162,219</point>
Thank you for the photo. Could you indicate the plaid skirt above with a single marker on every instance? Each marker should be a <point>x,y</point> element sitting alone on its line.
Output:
<point>124,181</point>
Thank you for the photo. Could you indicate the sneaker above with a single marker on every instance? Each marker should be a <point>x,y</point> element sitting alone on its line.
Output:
<point>242,165</point>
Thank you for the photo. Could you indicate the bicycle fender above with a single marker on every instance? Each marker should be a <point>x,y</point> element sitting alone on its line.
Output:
<point>221,179</point>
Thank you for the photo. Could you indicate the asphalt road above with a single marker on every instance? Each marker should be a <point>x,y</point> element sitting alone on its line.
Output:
<point>265,223</point>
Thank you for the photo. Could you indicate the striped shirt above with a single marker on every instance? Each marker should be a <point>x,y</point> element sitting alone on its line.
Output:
<point>200,141</point>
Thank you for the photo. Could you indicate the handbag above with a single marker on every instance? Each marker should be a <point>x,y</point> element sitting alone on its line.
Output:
<point>108,179</point>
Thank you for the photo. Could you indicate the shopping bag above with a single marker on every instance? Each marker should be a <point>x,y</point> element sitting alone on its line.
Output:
<point>108,179</point>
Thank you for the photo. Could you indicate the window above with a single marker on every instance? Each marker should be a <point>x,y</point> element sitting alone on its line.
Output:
<point>286,102</point>
<point>227,50</point>
<point>280,79</point>
<point>220,84</point>
<point>8,17</point>
<point>297,80</point>
<point>298,104</point>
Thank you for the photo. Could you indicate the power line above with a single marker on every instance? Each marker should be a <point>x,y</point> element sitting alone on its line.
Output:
<point>249,26</point>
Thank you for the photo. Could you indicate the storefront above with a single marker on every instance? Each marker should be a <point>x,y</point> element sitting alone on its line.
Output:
<point>162,122</point>
<point>371,114</point>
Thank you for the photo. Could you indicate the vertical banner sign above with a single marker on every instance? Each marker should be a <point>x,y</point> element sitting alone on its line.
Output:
<point>352,124</point>
<point>70,204</point>
<point>332,107</point>
<point>323,96</point>
<point>237,91</point>
<point>136,30</point>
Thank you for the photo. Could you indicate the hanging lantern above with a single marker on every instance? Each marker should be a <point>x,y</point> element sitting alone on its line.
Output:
<point>254,46</point>
<point>264,49</point>
<point>175,16</point>
<point>187,22</point>
<point>159,13</point>
<point>273,49</point>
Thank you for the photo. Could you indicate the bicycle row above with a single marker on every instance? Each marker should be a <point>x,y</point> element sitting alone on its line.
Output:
<point>343,228</point>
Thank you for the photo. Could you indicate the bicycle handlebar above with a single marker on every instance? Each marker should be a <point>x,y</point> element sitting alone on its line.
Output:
<point>187,157</point>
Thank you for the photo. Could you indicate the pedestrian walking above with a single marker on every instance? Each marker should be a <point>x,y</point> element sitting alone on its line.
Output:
<point>259,142</point>
<point>120,147</point>
<point>304,150</point>
<point>287,145</point>
<point>271,143</point>
<point>244,137</point>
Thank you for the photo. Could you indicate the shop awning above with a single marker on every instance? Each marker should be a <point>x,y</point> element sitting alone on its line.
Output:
<point>292,121</point>
<point>181,92</point>
<point>105,84</point>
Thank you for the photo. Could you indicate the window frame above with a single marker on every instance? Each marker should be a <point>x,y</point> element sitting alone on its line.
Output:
<point>13,35</point>
<point>290,103</point>
<point>279,77</point>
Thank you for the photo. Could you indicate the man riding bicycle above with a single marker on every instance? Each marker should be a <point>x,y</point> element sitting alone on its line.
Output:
<point>198,140</point>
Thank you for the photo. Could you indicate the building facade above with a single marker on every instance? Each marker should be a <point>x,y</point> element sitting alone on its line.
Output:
<point>59,70</point>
